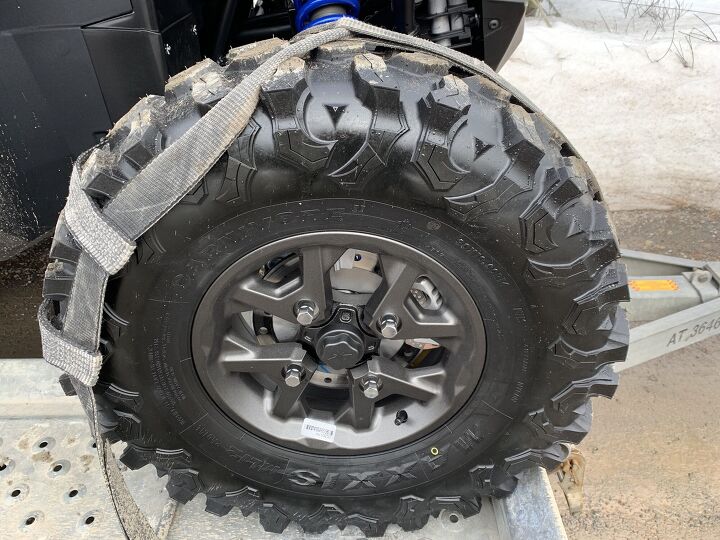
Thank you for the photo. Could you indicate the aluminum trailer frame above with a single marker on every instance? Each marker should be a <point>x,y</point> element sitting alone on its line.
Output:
<point>53,486</point>
<point>680,299</point>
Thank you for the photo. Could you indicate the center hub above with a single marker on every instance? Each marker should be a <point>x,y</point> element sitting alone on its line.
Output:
<point>340,348</point>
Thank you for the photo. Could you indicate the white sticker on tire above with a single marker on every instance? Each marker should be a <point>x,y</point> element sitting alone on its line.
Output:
<point>318,430</point>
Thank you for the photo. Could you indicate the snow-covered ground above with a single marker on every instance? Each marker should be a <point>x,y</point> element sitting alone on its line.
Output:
<point>643,112</point>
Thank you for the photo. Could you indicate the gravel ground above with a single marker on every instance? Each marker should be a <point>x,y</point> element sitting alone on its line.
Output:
<point>653,452</point>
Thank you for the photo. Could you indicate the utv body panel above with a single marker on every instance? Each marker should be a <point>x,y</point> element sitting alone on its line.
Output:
<point>68,71</point>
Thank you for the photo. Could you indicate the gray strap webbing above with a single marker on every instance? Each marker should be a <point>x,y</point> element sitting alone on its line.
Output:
<point>88,224</point>
<point>80,363</point>
<point>107,236</point>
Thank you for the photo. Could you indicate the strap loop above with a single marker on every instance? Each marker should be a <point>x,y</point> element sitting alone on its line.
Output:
<point>109,247</point>
<point>62,353</point>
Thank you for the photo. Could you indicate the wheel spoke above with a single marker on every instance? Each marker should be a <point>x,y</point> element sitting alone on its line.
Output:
<point>238,355</point>
<point>416,324</point>
<point>279,299</point>
<point>421,384</point>
<point>286,397</point>
<point>391,298</point>
<point>275,299</point>
<point>361,408</point>
<point>316,261</point>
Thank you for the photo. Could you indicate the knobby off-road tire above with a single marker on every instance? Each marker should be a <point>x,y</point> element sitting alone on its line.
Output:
<point>360,138</point>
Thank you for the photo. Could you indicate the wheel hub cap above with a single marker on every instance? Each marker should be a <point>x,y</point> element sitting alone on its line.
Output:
<point>340,349</point>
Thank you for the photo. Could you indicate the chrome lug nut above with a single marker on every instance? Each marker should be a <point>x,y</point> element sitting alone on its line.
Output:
<point>389,325</point>
<point>305,312</point>
<point>293,376</point>
<point>371,387</point>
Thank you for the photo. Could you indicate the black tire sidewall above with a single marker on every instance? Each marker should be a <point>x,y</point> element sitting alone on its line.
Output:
<point>159,348</point>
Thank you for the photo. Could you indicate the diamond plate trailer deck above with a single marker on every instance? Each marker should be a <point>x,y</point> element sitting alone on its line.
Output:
<point>51,486</point>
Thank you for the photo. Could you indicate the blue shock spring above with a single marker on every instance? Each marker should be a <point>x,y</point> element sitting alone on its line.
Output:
<point>305,8</point>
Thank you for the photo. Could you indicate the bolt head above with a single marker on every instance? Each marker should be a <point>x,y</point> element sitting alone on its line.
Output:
<point>293,376</point>
<point>389,326</point>
<point>371,392</point>
<point>305,312</point>
<point>371,388</point>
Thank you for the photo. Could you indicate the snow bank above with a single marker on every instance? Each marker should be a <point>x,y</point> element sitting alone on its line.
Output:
<point>649,128</point>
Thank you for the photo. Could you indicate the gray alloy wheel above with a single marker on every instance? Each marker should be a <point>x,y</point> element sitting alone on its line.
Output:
<point>363,340</point>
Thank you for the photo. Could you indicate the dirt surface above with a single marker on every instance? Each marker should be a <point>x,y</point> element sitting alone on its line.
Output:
<point>653,453</point>
<point>654,450</point>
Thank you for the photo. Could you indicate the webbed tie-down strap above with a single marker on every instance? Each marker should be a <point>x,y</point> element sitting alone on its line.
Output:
<point>107,235</point>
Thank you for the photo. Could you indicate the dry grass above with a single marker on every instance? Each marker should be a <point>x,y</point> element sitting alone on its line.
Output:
<point>664,15</point>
